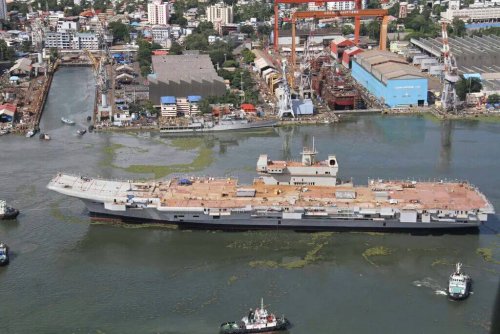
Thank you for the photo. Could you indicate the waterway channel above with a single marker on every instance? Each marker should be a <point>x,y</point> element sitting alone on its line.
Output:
<point>68,275</point>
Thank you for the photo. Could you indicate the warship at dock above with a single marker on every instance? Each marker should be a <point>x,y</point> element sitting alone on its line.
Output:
<point>226,123</point>
<point>297,195</point>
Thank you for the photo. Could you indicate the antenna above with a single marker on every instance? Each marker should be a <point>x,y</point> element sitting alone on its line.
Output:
<point>313,145</point>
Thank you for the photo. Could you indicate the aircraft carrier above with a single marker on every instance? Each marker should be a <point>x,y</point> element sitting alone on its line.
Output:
<point>297,195</point>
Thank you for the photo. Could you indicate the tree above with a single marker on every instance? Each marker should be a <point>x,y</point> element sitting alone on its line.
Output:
<point>121,32</point>
<point>196,42</point>
<point>465,86</point>
<point>247,29</point>
<point>204,26</point>
<point>248,56</point>
<point>347,29</point>
<point>175,48</point>
<point>493,98</point>
<point>218,56</point>
<point>178,18</point>
<point>26,46</point>
<point>53,54</point>
<point>6,52</point>
<point>264,30</point>
<point>373,4</point>
<point>458,27</point>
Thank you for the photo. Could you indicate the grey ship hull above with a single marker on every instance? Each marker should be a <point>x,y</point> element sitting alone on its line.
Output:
<point>249,221</point>
<point>222,127</point>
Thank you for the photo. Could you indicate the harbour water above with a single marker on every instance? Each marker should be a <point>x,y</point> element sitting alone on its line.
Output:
<point>68,275</point>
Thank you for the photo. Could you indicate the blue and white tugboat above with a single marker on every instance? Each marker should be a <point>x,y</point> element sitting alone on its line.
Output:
<point>7,212</point>
<point>4,254</point>
<point>459,284</point>
<point>258,321</point>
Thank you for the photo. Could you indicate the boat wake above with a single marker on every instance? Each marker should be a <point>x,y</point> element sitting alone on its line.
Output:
<point>432,284</point>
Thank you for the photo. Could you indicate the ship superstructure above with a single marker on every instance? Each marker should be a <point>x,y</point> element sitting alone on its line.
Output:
<point>294,195</point>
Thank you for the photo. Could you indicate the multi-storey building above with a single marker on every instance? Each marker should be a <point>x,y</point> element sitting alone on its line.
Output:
<point>158,12</point>
<point>160,34</point>
<point>67,26</point>
<point>3,10</point>
<point>68,40</point>
<point>341,5</point>
<point>220,14</point>
<point>58,40</point>
<point>86,40</point>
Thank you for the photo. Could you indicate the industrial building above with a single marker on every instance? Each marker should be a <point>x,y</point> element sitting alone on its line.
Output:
<point>183,76</point>
<point>389,78</point>
<point>473,54</point>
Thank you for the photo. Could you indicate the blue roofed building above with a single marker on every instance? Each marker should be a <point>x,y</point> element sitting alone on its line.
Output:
<point>389,78</point>
<point>168,106</point>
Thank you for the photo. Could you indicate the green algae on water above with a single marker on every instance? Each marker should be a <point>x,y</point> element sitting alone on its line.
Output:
<point>203,160</point>
<point>376,251</point>
<point>264,264</point>
<point>487,254</point>
<point>109,154</point>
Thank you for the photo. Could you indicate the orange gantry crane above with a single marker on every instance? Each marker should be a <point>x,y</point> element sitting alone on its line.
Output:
<point>357,14</point>
<point>357,21</point>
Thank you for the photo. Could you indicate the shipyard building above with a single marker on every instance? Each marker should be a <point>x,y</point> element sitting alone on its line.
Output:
<point>181,76</point>
<point>389,78</point>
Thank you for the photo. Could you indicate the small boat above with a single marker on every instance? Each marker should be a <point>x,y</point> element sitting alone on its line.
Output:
<point>258,321</point>
<point>67,121</point>
<point>91,128</point>
<point>459,284</point>
<point>4,131</point>
<point>81,132</point>
<point>44,136</point>
<point>89,118</point>
<point>30,133</point>
<point>7,212</point>
<point>4,254</point>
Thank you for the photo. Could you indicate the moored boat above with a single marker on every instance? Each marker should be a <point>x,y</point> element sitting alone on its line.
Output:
<point>30,133</point>
<point>67,121</point>
<point>258,321</point>
<point>81,132</point>
<point>4,254</point>
<point>7,212</point>
<point>226,123</point>
<point>44,136</point>
<point>459,284</point>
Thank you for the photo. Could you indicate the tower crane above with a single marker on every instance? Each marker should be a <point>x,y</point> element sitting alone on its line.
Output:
<point>305,89</point>
<point>449,99</point>
<point>285,100</point>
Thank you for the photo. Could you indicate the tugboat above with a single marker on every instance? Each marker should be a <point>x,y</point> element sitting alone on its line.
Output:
<point>258,321</point>
<point>67,121</point>
<point>4,254</point>
<point>6,212</point>
<point>459,284</point>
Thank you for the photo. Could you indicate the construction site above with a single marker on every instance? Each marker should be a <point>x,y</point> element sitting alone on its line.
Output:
<point>350,74</point>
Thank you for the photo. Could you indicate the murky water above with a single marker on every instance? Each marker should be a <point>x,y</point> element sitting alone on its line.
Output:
<point>70,276</point>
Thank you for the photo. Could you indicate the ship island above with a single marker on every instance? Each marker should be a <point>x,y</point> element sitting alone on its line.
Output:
<point>297,195</point>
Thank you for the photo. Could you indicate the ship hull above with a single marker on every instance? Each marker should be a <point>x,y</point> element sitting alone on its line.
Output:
<point>248,221</point>
<point>229,127</point>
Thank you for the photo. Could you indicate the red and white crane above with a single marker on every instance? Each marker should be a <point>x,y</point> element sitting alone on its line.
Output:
<point>449,100</point>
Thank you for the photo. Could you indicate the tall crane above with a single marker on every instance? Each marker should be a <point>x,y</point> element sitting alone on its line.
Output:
<point>449,99</point>
<point>285,100</point>
<point>305,89</point>
<point>357,20</point>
